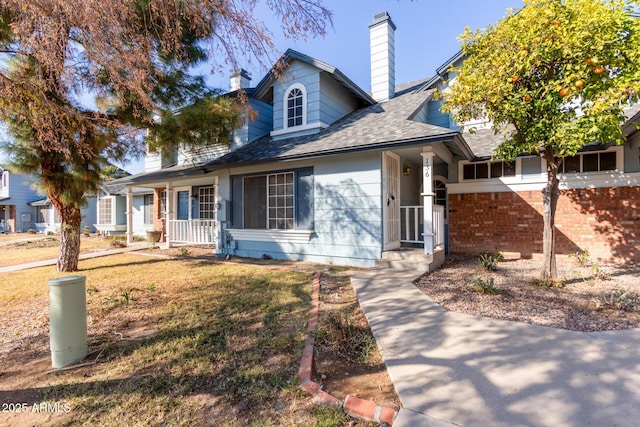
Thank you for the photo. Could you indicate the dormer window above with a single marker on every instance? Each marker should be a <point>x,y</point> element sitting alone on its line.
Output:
<point>296,103</point>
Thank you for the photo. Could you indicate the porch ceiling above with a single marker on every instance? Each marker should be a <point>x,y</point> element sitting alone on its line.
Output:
<point>192,181</point>
<point>413,153</point>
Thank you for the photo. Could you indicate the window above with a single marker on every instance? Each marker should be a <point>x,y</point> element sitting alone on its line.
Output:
<point>273,200</point>
<point>295,106</point>
<point>5,180</point>
<point>104,211</point>
<point>440,190</point>
<point>163,204</point>
<point>207,198</point>
<point>268,201</point>
<point>589,162</point>
<point>148,208</point>
<point>281,201</point>
<point>42,214</point>
<point>488,170</point>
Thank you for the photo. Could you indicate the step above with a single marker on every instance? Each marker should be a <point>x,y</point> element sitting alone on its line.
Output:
<point>410,258</point>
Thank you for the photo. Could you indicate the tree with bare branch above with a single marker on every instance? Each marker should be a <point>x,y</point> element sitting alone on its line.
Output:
<point>84,82</point>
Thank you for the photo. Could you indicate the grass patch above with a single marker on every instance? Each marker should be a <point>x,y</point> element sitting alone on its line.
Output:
<point>42,248</point>
<point>180,343</point>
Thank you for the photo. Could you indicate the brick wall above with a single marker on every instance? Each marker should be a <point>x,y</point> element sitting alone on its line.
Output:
<point>604,221</point>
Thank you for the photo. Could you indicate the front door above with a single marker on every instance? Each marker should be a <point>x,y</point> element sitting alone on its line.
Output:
<point>391,200</point>
<point>183,205</point>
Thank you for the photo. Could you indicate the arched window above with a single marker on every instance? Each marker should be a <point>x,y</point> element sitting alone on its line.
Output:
<point>295,108</point>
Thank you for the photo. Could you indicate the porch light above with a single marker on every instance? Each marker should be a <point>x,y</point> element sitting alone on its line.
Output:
<point>406,171</point>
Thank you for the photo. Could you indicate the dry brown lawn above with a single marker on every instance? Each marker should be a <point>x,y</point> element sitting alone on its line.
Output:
<point>40,248</point>
<point>184,341</point>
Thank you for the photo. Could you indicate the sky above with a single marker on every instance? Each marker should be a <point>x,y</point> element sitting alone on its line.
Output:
<point>425,38</point>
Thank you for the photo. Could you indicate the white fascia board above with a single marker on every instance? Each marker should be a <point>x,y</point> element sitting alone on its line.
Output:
<point>537,182</point>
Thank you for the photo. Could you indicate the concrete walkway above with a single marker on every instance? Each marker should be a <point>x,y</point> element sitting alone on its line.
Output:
<point>45,263</point>
<point>456,369</point>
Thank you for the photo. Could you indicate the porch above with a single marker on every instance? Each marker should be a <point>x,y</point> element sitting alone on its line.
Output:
<point>412,225</point>
<point>192,231</point>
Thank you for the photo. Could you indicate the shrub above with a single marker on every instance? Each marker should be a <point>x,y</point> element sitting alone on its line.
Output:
<point>118,241</point>
<point>485,286</point>
<point>581,257</point>
<point>558,283</point>
<point>619,300</point>
<point>490,262</point>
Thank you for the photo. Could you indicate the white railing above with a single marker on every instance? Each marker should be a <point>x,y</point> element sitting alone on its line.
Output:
<point>438,226</point>
<point>200,231</point>
<point>412,218</point>
<point>412,227</point>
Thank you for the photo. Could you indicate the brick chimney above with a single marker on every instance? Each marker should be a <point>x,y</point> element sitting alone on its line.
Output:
<point>239,80</point>
<point>381,40</point>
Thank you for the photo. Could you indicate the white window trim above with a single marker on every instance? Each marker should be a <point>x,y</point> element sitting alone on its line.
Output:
<point>267,206</point>
<point>289,236</point>
<point>113,211</point>
<point>214,211</point>
<point>536,182</point>
<point>285,117</point>
<point>462,163</point>
<point>317,125</point>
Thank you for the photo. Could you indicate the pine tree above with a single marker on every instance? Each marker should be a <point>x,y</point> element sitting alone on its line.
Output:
<point>136,58</point>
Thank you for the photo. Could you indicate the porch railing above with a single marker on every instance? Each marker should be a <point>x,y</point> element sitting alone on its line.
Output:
<point>412,224</point>
<point>199,231</point>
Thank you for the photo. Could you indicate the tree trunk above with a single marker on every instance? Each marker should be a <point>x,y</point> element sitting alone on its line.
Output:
<point>550,203</point>
<point>69,251</point>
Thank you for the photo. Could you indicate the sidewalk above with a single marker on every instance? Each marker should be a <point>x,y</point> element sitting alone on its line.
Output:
<point>132,247</point>
<point>473,371</point>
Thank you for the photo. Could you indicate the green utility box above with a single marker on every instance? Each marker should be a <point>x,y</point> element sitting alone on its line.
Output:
<point>67,320</point>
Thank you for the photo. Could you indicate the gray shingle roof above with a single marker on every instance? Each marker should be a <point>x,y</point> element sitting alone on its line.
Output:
<point>118,185</point>
<point>335,73</point>
<point>484,141</point>
<point>375,127</point>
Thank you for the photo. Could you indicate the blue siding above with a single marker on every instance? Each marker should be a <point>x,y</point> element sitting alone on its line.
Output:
<point>347,214</point>
<point>434,115</point>
<point>335,102</point>
<point>263,124</point>
<point>89,214</point>
<point>254,129</point>
<point>21,193</point>
<point>309,77</point>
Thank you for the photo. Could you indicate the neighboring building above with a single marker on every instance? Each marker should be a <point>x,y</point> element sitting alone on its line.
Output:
<point>47,219</point>
<point>23,208</point>
<point>16,192</point>
<point>330,173</point>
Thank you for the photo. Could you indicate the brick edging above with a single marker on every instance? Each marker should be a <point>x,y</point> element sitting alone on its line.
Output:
<point>353,405</point>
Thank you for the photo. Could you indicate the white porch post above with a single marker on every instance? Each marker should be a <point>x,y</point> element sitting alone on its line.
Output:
<point>129,215</point>
<point>427,198</point>
<point>168,215</point>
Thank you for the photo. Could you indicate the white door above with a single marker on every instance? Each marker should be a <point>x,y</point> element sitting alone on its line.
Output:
<point>391,200</point>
